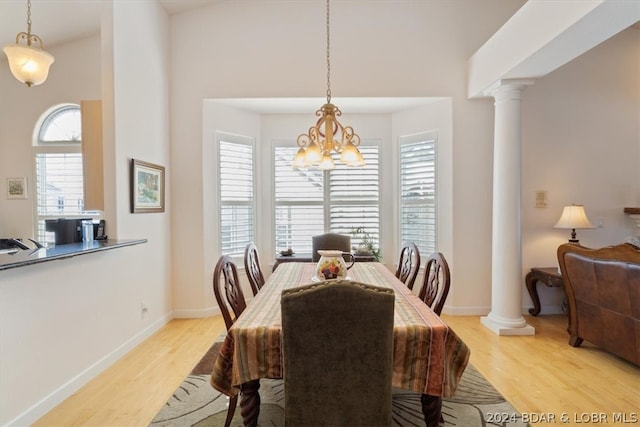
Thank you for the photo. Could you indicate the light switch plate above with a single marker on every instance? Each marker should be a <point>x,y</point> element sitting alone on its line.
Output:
<point>541,199</point>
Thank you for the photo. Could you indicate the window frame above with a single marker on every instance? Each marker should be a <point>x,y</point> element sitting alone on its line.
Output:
<point>41,146</point>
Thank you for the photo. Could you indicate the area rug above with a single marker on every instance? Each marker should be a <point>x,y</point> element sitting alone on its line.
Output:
<point>195,403</point>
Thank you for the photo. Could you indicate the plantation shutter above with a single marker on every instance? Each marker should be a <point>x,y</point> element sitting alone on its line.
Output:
<point>236,168</point>
<point>418,191</point>
<point>354,197</point>
<point>299,203</point>
<point>311,202</point>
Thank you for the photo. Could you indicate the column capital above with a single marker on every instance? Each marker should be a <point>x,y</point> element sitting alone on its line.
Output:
<point>511,88</point>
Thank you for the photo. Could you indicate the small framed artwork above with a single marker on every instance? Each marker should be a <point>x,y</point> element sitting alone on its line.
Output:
<point>17,188</point>
<point>147,187</point>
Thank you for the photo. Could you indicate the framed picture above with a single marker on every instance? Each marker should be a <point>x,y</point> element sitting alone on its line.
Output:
<point>17,188</point>
<point>147,187</point>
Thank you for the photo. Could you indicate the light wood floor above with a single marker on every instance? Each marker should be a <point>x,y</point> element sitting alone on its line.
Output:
<point>540,375</point>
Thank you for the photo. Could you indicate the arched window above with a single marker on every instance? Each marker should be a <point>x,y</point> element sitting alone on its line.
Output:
<point>58,163</point>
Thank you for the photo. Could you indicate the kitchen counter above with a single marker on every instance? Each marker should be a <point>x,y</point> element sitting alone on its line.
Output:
<point>21,258</point>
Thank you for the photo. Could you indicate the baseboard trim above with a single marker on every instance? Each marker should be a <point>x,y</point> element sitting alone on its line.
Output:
<point>56,397</point>
<point>196,313</point>
<point>483,311</point>
<point>466,311</point>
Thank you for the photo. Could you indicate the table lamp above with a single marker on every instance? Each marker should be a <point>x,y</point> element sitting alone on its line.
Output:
<point>573,217</point>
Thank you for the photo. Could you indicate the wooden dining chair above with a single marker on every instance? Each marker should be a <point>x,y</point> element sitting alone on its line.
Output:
<point>408,264</point>
<point>436,282</point>
<point>228,293</point>
<point>335,241</point>
<point>252,268</point>
<point>337,354</point>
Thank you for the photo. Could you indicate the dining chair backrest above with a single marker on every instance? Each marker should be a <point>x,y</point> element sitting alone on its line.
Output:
<point>337,354</point>
<point>252,268</point>
<point>408,264</point>
<point>227,290</point>
<point>436,282</point>
<point>335,241</point>
<point>228,293</point>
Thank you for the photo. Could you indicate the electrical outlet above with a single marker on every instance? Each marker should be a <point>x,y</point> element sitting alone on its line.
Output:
<point>600,222</point>
<point>143,310</point>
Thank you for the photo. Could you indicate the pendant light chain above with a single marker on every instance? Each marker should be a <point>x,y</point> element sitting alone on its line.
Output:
<point>29,22</point>
<point>328,60</point>
<point>328,135</point>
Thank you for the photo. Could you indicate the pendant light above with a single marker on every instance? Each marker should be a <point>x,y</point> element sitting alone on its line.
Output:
<point>28,63</point>
<point>328,134</point>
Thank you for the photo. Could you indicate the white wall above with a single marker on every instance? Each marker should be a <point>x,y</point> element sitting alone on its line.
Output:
<point>62,322</point>
<point>581,143</point>
<point>387,49</point>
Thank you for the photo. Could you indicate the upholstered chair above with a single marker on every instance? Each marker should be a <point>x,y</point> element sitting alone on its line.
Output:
<point>335,241</point>
<point>436,282</point>
<point>408,264</point>
<point>338,354</point>
<point>228,293</point>
<point>252,268</point>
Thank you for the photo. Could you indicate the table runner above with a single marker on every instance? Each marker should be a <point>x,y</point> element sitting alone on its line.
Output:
<point>429,357</point>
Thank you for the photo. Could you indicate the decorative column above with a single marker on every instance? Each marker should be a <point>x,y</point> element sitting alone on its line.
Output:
<point>505,317</point>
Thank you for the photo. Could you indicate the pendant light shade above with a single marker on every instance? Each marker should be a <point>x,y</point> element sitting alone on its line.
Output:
<point>28,64</point>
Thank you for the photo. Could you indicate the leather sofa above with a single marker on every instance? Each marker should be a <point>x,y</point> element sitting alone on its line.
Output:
<point>603,293</point>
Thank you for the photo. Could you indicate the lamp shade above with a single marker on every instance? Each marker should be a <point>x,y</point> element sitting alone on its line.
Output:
<point>573,216</point>
<point>28,64</point>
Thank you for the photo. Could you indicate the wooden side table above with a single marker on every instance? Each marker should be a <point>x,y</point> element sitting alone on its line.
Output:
<point>550,277</point>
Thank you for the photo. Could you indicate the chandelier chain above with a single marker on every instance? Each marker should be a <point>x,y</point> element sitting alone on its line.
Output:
<point>328,59</point>
<point>29,16</point>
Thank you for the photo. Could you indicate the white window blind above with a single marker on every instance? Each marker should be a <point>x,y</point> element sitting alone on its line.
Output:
<point>311,202</point>
<point>59,184</point>
<point>236,168</point>
<point>418,191</point>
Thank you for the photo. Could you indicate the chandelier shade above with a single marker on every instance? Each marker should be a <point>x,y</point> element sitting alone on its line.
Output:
<point>28,63</point>
<point>328,135</point>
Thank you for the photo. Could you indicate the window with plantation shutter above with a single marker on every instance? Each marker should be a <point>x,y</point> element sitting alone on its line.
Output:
<point>418,191</point>
<point>311,202</point>
<point>237,187</point>
<point>58,168</point>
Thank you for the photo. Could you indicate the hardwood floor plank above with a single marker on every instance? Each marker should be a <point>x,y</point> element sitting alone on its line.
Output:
<point>543,374</point>
<point>132,391</point>
<point>539,375</point>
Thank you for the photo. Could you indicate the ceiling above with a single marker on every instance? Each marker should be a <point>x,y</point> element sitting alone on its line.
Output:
<point>60,21</point>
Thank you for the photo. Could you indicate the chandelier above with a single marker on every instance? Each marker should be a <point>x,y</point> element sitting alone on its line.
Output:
<point>328,134</point>
<point>29,64</point>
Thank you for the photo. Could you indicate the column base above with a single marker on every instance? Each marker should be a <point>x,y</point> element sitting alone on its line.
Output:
<point>507,327</point>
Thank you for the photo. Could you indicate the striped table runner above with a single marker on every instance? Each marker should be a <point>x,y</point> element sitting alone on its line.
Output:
<point>429,357</point>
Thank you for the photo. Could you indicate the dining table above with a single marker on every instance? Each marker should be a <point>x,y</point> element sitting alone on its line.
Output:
<point>428,357</point>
